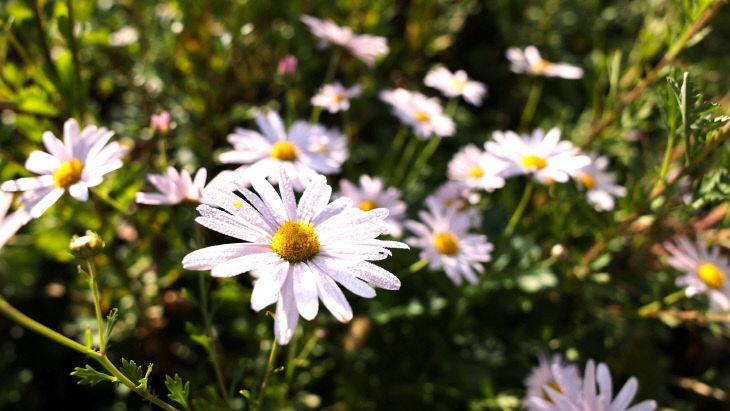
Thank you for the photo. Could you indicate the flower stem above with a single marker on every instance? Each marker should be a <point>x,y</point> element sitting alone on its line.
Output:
<point>269,369</point>
<point>212,355</point>
<point>110,201</point>
<point>533,98</point>
<point>94,286</point>
<point>425,155</point>
<point>33,325</point>
<point>398,141</point>
<point>329,75</point>
<point>406,159</point>
<point>656,305</point>
<point>517,215</point>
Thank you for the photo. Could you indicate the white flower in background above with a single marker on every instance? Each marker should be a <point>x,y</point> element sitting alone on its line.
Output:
<point>10,223</point>
<point>588,398</point>
<point>476,169</point>
<point>424,114</point>
<point>75,165</point>
<point>455,85</point>
<point>174,187</point>
<point>443,239</point>
<point>363,46</point>
<point>461,197</point>
<point>300,252</point>
<point>553,373</point>
<point>705,271</point>
<point>543,155</point>
<point>123,37</point>
<point>530,62</point>
<point>600,185</point>
<point>302,152</point>
<point>335,97</point>
<point>372,194</point>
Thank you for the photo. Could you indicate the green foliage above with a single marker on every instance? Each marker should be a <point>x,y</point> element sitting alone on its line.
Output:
<point>179,391</point>
<point>111,321</point>
<point>134,373</point>
<point>89,376</point>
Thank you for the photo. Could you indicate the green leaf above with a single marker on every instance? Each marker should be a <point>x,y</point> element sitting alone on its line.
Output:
<point>131,371</point>
<point>179,390</point>
<point>90,376</point>
<point>111,320</point>
<point>143,381</point>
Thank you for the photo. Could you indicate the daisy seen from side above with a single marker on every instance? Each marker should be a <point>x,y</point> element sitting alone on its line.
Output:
<point>275,148</point>
<point>541,154</point>
<point>550,372</point>
<point>425,115</point>
<point>530,62</point>
<point>174,187</point>
<point>456,84</point>
<point>335,97</point>
<point>365,47</point>
<point>705,271</point>
<point>476,169</point>
<point>300,251</point>
<point>601,189</point>
<point>74,165</point>
<point>372,193</point>
<point>458,195</point>
<point>445,243</point>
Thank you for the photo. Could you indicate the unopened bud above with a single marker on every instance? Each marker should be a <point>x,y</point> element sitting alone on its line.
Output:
<point>559,251</point>
<point>87,245</point>
<point>287,66</point>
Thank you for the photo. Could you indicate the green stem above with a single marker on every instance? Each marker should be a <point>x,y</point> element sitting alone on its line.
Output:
<point>269,369</point>
<point>33,325</point>
<point>212,355</point>
<point>94,285</point>
<point>418,265</point>
<point>406,159</point>
<point>398,141</point>
<point>420,162</point>
<point>75,57</point>
<point>529,111</point>
<point>328,77</point>
<point>668,300</point>
<point>110,201</point>
<point>667,159</point>
<point>517,215</point>
<point>40,26</point>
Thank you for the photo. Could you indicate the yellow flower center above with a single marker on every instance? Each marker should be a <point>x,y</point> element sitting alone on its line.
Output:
<point>338,97</point>
<point>711,275</point>
<point>587,180</point>
<point>531,161</point>
<point>446,243</point>
<point>476,172</point>
<point>68,174</point>
<point>554,385</point>
<point>368,205</point>
<point>421,116</point>
<point>540,66</point>
<point>284,151</point>
<point>295,242</point>
<point>457,84</point>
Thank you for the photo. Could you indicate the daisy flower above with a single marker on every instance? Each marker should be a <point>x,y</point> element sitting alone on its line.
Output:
<point>372,194</point>
<point>10,223</point>
<point>77,163</point>
<point>300,251</point>
<point>276,149</point>
<point>462,198</point>
<point>455,85</point>
<point>530,62</point>
<point>335,97</point>
<point>175,187</point>
<point>553,373</point>
<point>363,46</point>
<point>600,185</point>
<point>543,155</point>
<point>476,169</point>
<point>590,399</point>
<point>424,114</point>
<point>705,271</point>
<point>445,243</point>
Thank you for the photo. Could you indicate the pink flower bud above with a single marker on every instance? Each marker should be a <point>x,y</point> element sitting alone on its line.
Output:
<point>287,66</point>
<point>160,122</point>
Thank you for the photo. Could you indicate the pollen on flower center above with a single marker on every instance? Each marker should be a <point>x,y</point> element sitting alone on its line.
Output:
<point>446,243</point>
<point>531,161</point>
<point>540,66</point>
<point>476,172</point>
<point>367,205</point>
<point>68,174</point>
<point>711,275</point>
<point>295,242</point>
<point>457,84</point>
<point>554,385</point>
<point>338,97</point>
<point>421,116</point>
<point>587,180</point>
<point>284,151</point>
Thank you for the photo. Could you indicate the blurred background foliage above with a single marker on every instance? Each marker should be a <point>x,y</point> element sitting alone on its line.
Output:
<point>430,345</point>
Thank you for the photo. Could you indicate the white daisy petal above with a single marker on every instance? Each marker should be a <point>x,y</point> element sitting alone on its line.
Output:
<point>285,323</point>
<point>242,264</point>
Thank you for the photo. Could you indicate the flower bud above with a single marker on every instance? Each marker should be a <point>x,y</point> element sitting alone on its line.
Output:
<point>559,251</point>
<point>160,122</point>
<point>287,66</point>
<point>87,245</point>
